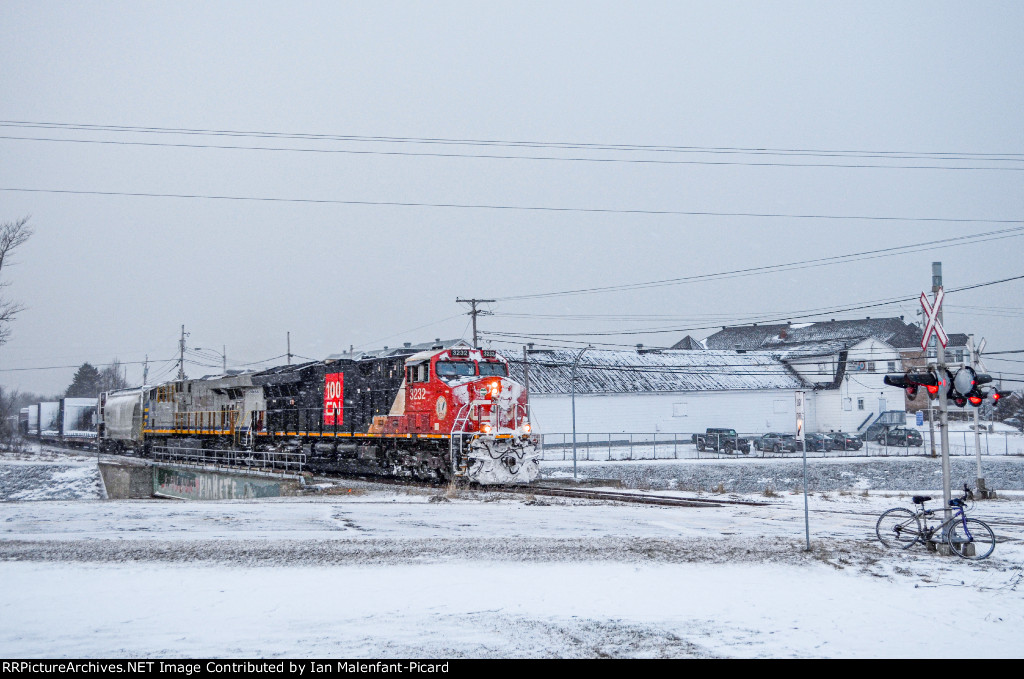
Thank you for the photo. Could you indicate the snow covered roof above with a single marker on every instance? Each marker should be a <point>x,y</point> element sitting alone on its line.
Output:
<point>688,343</point>
<point>893,331</point>
<point>605,371</point>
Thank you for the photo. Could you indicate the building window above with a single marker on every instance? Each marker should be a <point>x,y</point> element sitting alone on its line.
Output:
<point>860,404</point>
<point>959,355</point>
<point>871,366</point>
<point>892,366</point>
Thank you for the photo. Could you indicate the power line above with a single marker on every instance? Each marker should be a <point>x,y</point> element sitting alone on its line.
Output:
<point>95,365</point>
<point>869,305</point>
<point>790,266</point>
<point>521,208</point>
<point>575,159</point>
<point>646,148</point>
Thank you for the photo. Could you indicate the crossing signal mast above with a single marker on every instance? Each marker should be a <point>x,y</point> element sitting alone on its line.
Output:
<point>963,387</point>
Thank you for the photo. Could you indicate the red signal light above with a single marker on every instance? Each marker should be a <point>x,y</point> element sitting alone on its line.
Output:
<point>995,396</point>
<point>975,400</point>
<point>932,388</point>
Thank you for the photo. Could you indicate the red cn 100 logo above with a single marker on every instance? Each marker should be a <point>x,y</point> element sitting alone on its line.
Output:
<point>334,398</point>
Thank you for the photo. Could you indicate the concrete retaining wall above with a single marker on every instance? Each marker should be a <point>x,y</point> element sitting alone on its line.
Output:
<point>127,481</point>
<point>134,481</point>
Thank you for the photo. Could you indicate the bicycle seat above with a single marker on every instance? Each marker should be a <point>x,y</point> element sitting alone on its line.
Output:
<point>920,499</point>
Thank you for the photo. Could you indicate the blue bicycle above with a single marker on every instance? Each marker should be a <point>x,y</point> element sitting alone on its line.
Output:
<point>968,538</point>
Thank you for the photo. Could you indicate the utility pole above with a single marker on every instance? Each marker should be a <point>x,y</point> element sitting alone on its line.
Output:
<point>526,379</point>
<point>474,312</point>
<point>289,348</point>
<point>574,364</point>
<point>181,355</point>
<point>940,355</point>
<point>145,371</point>
<point>224,355</point>
<point>975,360</point>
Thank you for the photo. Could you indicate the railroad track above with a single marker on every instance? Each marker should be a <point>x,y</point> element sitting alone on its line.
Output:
<point>636,498</point>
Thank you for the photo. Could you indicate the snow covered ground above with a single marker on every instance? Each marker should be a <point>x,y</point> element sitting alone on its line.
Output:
<point>386,572</point>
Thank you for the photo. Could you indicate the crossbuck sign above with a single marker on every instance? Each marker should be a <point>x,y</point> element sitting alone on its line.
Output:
<point>931,320</point>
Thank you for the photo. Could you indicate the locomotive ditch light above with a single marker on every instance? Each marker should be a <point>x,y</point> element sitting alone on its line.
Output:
<point>526,427</point>
<point>485,428</point>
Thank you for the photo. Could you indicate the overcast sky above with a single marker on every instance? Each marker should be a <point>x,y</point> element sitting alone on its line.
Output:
<point>110,276</point>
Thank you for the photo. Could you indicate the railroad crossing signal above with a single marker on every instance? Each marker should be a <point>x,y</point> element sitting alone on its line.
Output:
<point>964,387</point>
<point>931,320</point>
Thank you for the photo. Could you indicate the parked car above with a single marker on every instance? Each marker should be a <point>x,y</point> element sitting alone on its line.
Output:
<point>843,441</point>
<point>900,436</point>
<point>818,442</point>
<point>771,442</point>
<point>725,440</point>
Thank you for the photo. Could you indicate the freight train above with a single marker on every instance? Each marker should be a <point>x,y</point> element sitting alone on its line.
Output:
<point>429,412</point>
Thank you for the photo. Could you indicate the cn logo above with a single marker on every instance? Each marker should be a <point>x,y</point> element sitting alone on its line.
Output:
<point>334,400</point>
<point>441,408</point>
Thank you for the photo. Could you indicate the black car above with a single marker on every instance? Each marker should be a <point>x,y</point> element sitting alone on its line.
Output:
<point>843,441</point>
<point>818,442</point>
<point>900,436</point>
<point>724,440</point>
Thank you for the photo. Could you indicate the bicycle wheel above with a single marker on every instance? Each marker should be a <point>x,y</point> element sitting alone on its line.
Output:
<point>977,542</point>
<point>898,527</point>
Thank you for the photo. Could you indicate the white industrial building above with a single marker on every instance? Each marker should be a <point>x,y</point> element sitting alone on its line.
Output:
<point>745,379</point>
<point>668,391</point>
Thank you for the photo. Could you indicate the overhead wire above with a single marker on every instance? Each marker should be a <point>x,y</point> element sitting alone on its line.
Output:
<point>891,251</point>
<point>524,208</point>
<point>646,148</point>
<point>575,159</point>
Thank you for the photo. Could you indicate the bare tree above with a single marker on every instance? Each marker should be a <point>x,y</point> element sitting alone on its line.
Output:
<point>112,377</point>
<point>12,236</point>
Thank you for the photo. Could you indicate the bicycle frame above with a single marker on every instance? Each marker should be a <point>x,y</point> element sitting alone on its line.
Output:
<point>928,534</point>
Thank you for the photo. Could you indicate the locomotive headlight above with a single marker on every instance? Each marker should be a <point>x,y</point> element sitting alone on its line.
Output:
<point>526,427</point>
<point>485,428</point>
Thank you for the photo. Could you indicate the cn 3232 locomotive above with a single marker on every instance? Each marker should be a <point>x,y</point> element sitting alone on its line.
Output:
<point>440,413</point>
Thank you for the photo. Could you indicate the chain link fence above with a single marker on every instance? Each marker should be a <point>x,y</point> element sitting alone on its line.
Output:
<point>607,446</point>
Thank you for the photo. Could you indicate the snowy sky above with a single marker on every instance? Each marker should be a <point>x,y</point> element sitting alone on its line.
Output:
<point>117,275</point>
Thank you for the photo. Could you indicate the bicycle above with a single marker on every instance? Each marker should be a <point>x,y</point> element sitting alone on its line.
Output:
<point>968,538</point>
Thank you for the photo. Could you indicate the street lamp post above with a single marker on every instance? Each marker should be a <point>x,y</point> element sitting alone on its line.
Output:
<point>574,364</point>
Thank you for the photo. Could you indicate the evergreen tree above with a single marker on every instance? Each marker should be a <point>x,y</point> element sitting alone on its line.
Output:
<point>86,383</point>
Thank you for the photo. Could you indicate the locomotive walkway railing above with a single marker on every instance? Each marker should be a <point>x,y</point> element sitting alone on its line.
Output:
<point>606,446</point>
<point>278,461</point>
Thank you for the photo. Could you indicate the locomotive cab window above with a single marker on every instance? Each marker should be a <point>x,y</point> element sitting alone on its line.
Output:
<point>493,369</point>
<point>455,368</point>
<point>419,372</point>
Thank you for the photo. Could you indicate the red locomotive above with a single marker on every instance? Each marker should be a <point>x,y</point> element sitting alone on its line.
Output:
<point>432,412</point>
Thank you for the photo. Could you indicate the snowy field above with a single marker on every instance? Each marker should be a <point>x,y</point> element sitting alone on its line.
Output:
<point>386,572</point>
